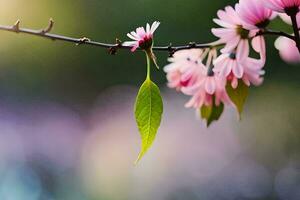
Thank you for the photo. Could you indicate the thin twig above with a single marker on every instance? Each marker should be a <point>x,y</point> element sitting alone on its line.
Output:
<point>276,33</point>
<point>48,28</point>
<point>296,30</point>
<point>45,33</point>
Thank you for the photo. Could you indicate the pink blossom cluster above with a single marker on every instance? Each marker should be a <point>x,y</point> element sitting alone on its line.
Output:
<point>218,73</point>
<point>205,74</point>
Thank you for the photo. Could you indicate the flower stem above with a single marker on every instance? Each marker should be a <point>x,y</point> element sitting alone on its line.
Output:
<point>296,29</point>
<point>148,66</point>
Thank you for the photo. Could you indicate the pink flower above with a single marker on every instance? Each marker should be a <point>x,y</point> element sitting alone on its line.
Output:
<point>208,87</point>
<point>254,14</point>
<point>237,65</point>
<point>232,63</point>
<point>282,5</point>
<point>259,45</point>
<point>184,68</point>
<point>287,50</point>
<point>142,38</point>
<point>188,74</point>
<point>233,32</point>
<point>253,72</point>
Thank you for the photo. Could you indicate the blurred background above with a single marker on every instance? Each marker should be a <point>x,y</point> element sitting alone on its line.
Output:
<point>67,130</point>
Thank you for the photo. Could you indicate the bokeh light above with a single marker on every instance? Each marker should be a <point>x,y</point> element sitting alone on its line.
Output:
<point>67,129</point>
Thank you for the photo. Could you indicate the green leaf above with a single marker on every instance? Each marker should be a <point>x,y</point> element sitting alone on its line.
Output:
<point>238,96</point>
<point>148,113</point>
<point>211,113</point>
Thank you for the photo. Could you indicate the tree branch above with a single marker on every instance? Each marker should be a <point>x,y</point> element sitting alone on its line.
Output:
<point>276,33</point>
<point>296,29</point>
<point>113,48</point>
<point>45,33</point>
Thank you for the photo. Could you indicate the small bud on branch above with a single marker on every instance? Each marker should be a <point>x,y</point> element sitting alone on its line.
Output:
<point>49,27</point>
<point>16,26</point>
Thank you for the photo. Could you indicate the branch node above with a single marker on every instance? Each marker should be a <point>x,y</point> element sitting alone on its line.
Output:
<point>48,28</point>
<point>118,42</point>
<point>16,26</point>
<point>192,45</point>
<point>171,50</point>
<point>83,40</point>
<point>260,32</point>
<point>114,49</point>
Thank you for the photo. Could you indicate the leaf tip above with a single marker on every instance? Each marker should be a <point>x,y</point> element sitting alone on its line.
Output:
<point>211,113</point>
<point>238,96</point>
<point>140,156</point>
<point>239,116</point>
<point>136,162</point>
<point>208,124</point>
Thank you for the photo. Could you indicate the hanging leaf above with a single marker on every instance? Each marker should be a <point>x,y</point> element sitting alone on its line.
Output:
<point>148,112</point>
<point>238,96</point>
<point>211,113</point>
